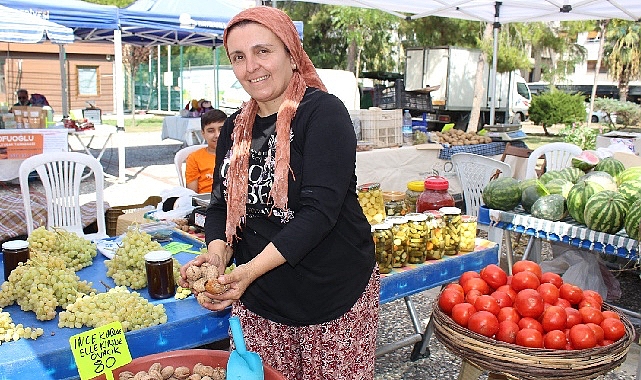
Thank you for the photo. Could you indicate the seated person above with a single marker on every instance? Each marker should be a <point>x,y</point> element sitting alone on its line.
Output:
<point>199,172</point>
<point>23,98</point>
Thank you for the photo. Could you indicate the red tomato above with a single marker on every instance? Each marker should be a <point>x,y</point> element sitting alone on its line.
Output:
<point>610,314</point>
<point>525,280</point>
<point>487,303</point>
<point>574,317</point>
<point>530,323</point>
<point>529,303</point>
<point>449,298</point>
<point>591,315</point>
<point>502,298</point>
<point>455,286</point>
<point>476,283</point>
<point>551,278</point>
<point>529,338</point>
<point>526,265</point>
<point>582,336</point>
<point>606,342</point>
<point>555,340</point>
<point>598,332</point>
<point>494,275</point>
<point>508,314</point>
<point>508,290</point>
<point>572,293</point>
<point>589,293</point>
<point>589,302</point>
<point>613,329</point>
<point>563,303</point>
<point>507,331</point>
<point>549,292</point>
<point>484,323</point>
<point>462,312</point>
<point>472,295</point>
<point>467,275</point>
<point>554,318</point>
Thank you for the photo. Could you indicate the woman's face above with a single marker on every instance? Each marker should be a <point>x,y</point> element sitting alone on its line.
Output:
<point>261,63</point>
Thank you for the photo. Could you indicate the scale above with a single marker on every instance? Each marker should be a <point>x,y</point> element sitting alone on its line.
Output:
<point>504,132</point>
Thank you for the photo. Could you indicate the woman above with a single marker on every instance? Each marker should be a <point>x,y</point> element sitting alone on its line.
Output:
<point>284,206</point>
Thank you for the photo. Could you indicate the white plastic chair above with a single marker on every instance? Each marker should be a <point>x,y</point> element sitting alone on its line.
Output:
<point>61,174</point>
<point>558,155</point>
<point>181,157</point>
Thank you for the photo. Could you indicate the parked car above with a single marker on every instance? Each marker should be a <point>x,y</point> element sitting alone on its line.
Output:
<point>600,116</point>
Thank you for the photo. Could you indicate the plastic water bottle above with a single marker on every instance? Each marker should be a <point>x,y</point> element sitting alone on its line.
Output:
<point>407,128</point>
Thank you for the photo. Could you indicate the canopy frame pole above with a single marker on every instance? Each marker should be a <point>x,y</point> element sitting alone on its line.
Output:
<point>120,109</point>
<point>62,57</point>
<point>495,50</point>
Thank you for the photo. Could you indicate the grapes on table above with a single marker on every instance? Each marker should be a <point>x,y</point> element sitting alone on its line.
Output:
<point>9,331</point>
<point>76,251</point>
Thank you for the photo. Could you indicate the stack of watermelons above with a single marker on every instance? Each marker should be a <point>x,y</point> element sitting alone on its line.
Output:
<point>599,193</point>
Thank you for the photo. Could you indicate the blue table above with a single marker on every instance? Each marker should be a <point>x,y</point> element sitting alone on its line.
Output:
<point>189,325</point>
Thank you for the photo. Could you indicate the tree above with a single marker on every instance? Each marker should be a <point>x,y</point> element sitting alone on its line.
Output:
<point>623,49</point>
<point>132,57</point>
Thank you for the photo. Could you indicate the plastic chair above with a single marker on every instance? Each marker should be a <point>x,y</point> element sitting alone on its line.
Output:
<point>181,157</point>
<point>61,174</point>
<point>558,155</point>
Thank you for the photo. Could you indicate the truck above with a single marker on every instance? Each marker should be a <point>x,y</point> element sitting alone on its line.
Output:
<point>439,82</point>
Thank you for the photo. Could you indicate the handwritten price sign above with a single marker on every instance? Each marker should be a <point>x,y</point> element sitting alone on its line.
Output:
<point>100,350</point>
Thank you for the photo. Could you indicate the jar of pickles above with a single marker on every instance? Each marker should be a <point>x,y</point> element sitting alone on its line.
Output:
<point>452,230</point>
<point>418,234</point>
<point>370,198</point>
<point>468,233</point>
<point>394,203</point>
<point>400,231</point>
<point>384,245</point>
<point>414,189</point>
<point>435,247</point>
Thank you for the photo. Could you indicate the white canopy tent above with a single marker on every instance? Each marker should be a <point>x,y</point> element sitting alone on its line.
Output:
<point>21,27</point>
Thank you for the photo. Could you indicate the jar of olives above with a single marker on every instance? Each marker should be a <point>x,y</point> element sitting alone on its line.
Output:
<point>452,230</point>
<point>414,189</point>
<point>400,231</point>
<point>435,243</point>
<point>418,234</point>
<point>383,244</point>
<point>394,203</point>
<point>370,198</point>
<point>468,233</point>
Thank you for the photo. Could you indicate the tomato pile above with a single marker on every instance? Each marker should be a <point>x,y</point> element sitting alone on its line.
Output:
<point>530,308</point>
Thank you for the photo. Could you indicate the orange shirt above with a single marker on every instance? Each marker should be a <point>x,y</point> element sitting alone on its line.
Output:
<point>200,165</point>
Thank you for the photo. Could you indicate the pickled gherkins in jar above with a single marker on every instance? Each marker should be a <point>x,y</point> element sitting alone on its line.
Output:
<point>384,245</point>
<point>468,233</point>
<point>418,235</point>
<point>452,230</point>
<point>414,190</point>
<point>435,243</point>
<point>370,198</point>
<point>394,203</point>
<point>400,231</point>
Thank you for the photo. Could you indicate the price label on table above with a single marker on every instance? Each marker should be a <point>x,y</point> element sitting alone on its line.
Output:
<point>100,350</point>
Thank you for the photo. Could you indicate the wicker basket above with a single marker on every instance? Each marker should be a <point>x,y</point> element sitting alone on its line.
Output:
<point>530,363</point>
<point>113,213</point>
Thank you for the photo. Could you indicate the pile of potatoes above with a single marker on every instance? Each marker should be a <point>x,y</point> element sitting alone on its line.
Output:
<point>456,137</point>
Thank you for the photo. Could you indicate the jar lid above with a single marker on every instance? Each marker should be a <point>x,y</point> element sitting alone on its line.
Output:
<point>436,183</point>
<point>368,186</point>
<point>450,210</point>
<point>155,256</point>
<point>382,226</point>
<point>417,186</point>
<point>15,244</point>
<point>393,196</point>
<point>433,213</point>
<point>396,219</point>
<point>468,218</point>
<point>416,217</point>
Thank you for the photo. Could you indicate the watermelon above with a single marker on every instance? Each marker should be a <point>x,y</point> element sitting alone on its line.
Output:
<point>585,161</point>
<point>605,211</point>
<point>528,182</point>
<point>572,174</point>
<point>631,190</point>
<point>610,165</point>
<point>502,194</point>
<point>632,220</point>
<point>550,175</point>
<point>629,174</point>
<point>602,178</point>
<point>559,186</point>
<point>549,207</point>
<point>531,193</point>
<point>578,197</point>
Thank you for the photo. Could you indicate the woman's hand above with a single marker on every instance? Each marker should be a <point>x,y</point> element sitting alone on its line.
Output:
<point>218,254</point>
<point>238,280</point>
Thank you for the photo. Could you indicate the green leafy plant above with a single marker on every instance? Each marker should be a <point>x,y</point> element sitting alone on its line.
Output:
<point>627,113</point>
<point>557,107</point>
<point>579,134</point>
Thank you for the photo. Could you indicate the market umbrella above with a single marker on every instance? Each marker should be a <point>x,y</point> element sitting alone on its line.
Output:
<point>21,27</point>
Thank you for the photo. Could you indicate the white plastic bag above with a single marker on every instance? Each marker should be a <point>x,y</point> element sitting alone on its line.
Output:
<point>578,267</point>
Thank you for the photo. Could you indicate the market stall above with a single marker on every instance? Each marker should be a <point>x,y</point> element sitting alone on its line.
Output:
<point>18,144</point>
<point>184,129</point>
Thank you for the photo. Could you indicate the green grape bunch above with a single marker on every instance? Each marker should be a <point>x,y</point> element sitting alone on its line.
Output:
<point>77,251</point>
<point>41,285</point>
<point>9,331</point>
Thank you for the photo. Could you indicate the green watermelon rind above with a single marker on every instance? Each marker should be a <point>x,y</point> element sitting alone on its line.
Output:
<point>629,174</point>
<point>502,194</point>
<point>610,165</point>
<point>549,207</point>
<point>605,211</point>
<point>631,190</point>
<point>602,178</point>
<point>585,161</point>
<point>550,175</point>
<point>531,193</point>
<point>632,220</point>
<point>572,174</point>
<point>559,186</point>
<point>578,197</point>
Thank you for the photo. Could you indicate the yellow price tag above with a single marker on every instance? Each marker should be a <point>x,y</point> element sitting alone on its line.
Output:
<point>100,350</point>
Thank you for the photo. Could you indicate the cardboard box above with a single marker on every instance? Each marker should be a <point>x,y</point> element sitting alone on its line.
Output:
<point>630,139</point>
<point>30,117</point>
<point>132,217</point>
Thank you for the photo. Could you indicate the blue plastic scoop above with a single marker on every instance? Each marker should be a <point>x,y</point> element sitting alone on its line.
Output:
<point>243,364</point>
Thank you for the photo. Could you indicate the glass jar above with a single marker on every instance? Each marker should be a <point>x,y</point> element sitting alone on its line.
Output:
<point>414,190</point>
<point>370,198</point>
<point>13,253</point>
<point>435,243</point>
<point>160,274</point>
<point>394,203</point>
<point>452,230</point>
<point>468,233</point>
<point>383,245</point>
<point>401,240</point>
<point>418,234</point>
<point>435,195</point>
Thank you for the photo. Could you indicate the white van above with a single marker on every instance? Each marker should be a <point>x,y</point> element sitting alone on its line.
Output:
<point>521,98</point>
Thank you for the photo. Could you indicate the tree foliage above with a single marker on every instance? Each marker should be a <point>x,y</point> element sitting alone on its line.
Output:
<point>557,107</point>
<point>623,49</point>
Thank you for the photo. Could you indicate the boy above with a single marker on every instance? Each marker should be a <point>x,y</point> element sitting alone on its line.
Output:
<point>199,172</point>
